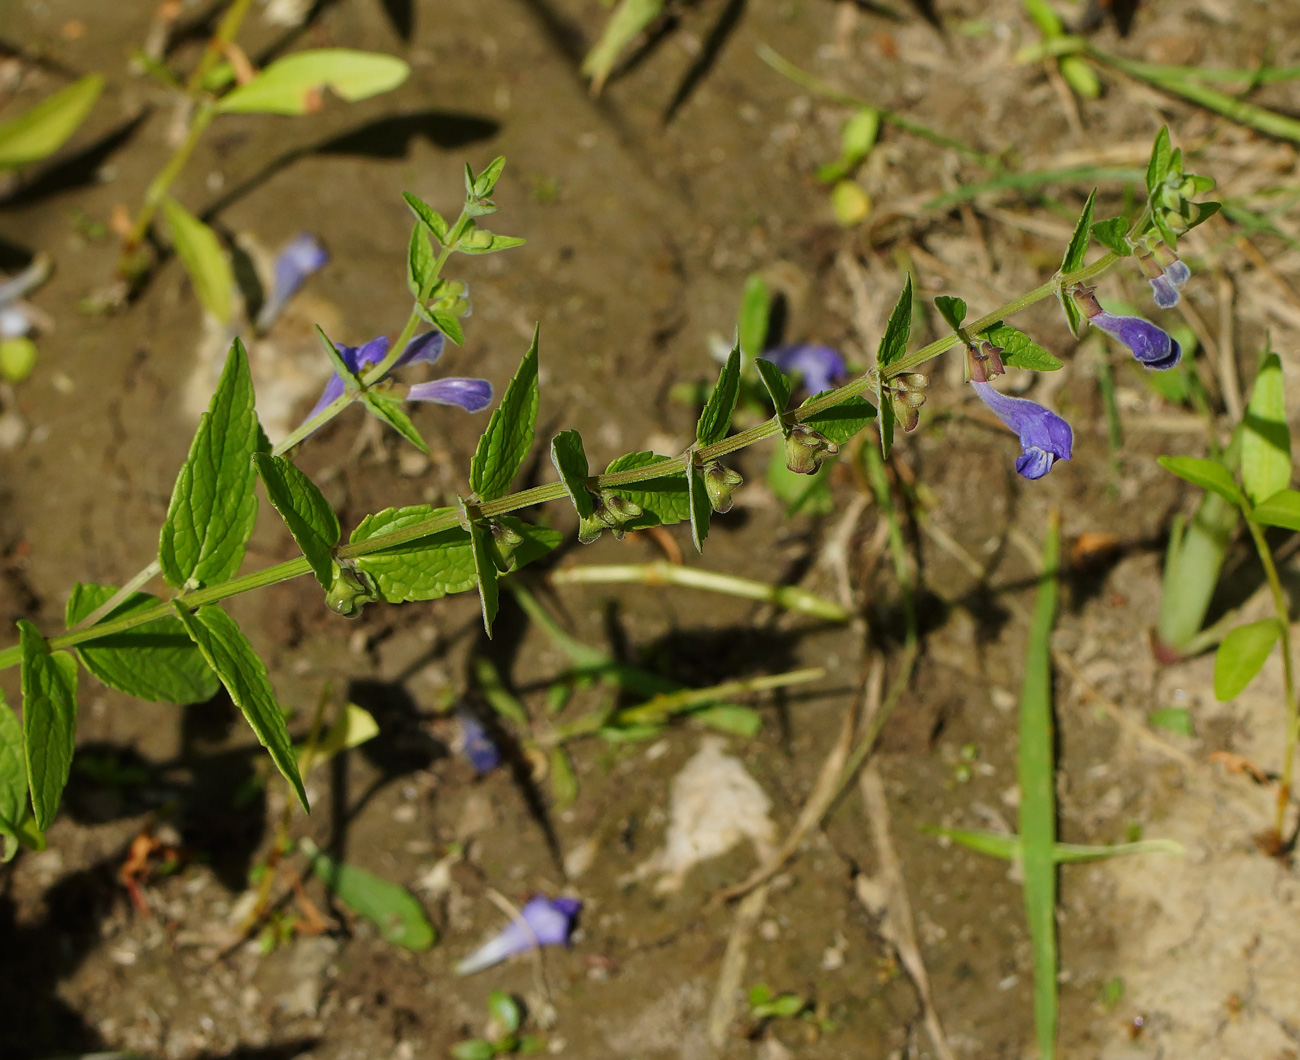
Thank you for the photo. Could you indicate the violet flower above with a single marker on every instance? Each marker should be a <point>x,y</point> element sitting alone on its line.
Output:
<point>548,923</point>
<point>473,395</point>
<point>1166,273</point>
<point>1044,436</point>
<point>298,259</point>
<point>819,367</point>
<point>482,753</point>
<point>1152,346</point>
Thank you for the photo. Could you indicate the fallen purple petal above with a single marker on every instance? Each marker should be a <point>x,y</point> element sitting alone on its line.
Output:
<point>545,922</point>
<point>1044,436</point>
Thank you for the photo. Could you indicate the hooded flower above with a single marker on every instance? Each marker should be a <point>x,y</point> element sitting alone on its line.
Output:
<point>473,395</point>
<point>1166,273</point>
<point>820,367</point>
<point>1152,346</point>
<point>544,923</point>
<point>1044,436</point>
<point>298,259</point>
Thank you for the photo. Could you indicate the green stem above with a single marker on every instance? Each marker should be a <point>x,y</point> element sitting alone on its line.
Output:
<point>161,184</point>
<point>225,35</point>
<point>864,385</point>
<point>1288,674</point>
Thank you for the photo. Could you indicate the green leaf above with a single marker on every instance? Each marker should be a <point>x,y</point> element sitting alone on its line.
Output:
<point>893,343</point>
<point>487,180</point>
<point>1281,509</point>
<point>664,500</point>
<point>213,504</point>
<point>509,433</point>
<point>1020,351</point>
<point>49,684</point>
<point>701,509</point>
<point>156,661</point>
<point>564,781</point>
<point>755,309</point>
<point>13,776</point>
<point>729,718</point>
<point>840,422</point>
<point>1208,474</point>
<point>777,387</point>
<point>42,129</point>
<point>305,512</point>
<point>424,569</point>
<point>716,417</point>
<point>800,493</point>
<point>1265,438</point>
<point>857,138</point>
<point>994,844</point>
<point>953,310</point>
<point>1073,260</point>
<point>627,20</point>
<point>570,461</point>
<point>243,673</point>
<point>353,727</point>
<point>537,540</point>
<point>505,1010</point>
<point>1172,719</point>
<point>419,262</point>
<point>351,378</point>
<point>480,241</point>
<point>485,572</point>
<point>886,424</point>
<point>400,918</point>
<point>427,216</point>
<point>200,252</point>
<point>449,325</point>
<point>1110,234</point>
<point>1158,166</point>
<point>292,85</point>
<point>473,1049</point>
<point>391,411</point>
<point>1241,655</point>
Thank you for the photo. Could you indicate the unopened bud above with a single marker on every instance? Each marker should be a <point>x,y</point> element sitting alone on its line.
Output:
<point>907,413</point>
<point>805,449</point>
<point>719,481</point>
<point>350,592</point>
<point>611,512</point>
<point>505,539</point>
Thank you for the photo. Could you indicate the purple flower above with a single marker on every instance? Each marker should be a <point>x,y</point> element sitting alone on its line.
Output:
<point>479,748</point>
<point>1044,436</point>
<point>298,259</point>
<point>820,367</point>
<point>1166,273</point>
<point>1152,346</point>
<point>473,395</point>
<point>544,923</point>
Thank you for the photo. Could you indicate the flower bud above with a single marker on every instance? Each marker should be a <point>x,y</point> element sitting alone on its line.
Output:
<point>350,592</point>
<point>719,481</point>
<point>505,540</point>
<point>610,513</point>
<point>906,413</point>
<point>805,449</point>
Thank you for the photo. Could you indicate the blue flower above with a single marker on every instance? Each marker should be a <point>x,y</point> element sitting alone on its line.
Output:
<point>1044,436</point>
<point>298,259</point>
<point>1166,273</point>
<point>819,367</point>
<point>482,753</point>
<point>544,923</point>
<point>1152,346</point>
<point>473,395</point>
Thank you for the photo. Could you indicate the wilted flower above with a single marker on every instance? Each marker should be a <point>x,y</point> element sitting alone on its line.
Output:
<point>805,449</point>
<point>473,395</point>
<point>820,367</point>
<point>298,259</point>
<point>1044,436</point>
<point>1151,345</point>
<point>482,753</point>
<point>543,923</point>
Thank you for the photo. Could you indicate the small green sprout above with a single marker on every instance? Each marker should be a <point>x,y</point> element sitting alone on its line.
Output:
<point>502,1037</point>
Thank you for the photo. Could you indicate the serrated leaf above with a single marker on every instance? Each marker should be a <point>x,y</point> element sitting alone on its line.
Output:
<point>564,781</point>
<point>49,684</point>
<point>1208,474</point>
<point>1158,165</point>
<point>449,325</point>
<point>1111,235</point>
<point>391,411</point>
<point>156,661</point>
<point>664,500</point>
<point>427,216</point>
<point>400,918</point>
<point>1241,656</point>
<point>509,434</point>
<point>1281,509</point>
<point>953,310</point>
<point>305,512</point>
<point>424,569</point>
<point>485,573</point>
<point>715,418</point>
<point>778,389</point>
<point>1265,438</point>
<point>243,673</point>
<point>1020,351</point>
<point>213,505</point>
<point>570,460</point>
<point>1078,245</point>
<point>893,343</point>
<point>293,85</point>
<point>419,262</point>
<point>201,254</point>
<point>43,128</point>
<point>13,773</point>
<point>841,422</point>
<point>755,309</point>
<point>701,508</point>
